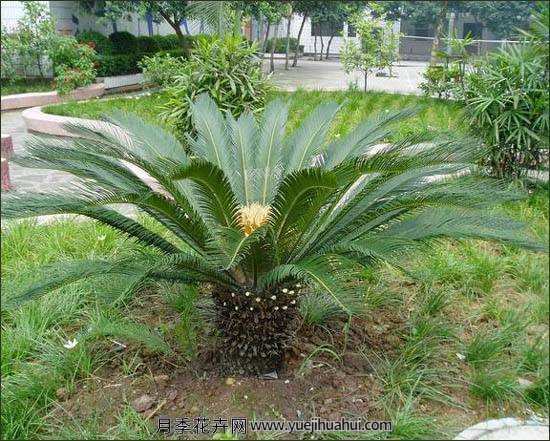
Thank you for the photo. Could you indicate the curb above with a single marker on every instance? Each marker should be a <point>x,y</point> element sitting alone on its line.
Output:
<point>23,100</point>
<point>40,122</point>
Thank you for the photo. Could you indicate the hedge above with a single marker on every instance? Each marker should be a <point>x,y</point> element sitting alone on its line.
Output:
<point>125,64</point>
<point>120,53</point>
<point>280,46</point>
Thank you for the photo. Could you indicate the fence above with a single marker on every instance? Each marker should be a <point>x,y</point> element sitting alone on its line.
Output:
<point>418,48</point>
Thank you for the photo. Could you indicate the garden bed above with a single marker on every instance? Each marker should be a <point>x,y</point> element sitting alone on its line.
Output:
<point>461,338</point>
<point>434,115</point>
<point>458,338</point>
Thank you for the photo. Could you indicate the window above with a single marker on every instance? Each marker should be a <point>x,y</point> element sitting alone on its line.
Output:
<point>324,29</point>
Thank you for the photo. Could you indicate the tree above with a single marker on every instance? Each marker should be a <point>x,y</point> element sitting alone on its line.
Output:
<point>377,46</point>
<point>305,8</point>
<point>333,14</point>
<point>173,12</point>
<point>250,215</point>
<point>422,12</point>
<point>502,18</point>
<point>34,36</point>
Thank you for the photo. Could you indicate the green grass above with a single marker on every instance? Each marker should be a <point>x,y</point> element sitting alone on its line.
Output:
<point>26,85</point>
<point>466,309</point>
<point>436,115</point>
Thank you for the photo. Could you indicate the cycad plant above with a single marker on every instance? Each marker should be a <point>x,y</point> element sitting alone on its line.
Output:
<point>262,217</point>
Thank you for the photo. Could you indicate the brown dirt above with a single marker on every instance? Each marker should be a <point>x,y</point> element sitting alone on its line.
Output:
<point>319,386</point>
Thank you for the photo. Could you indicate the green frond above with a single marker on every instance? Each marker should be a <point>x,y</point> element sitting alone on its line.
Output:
<point>329,273</point>
<point>215,200</point>
<point>367,134</point>
<point>308,140</point>
<point>243,133</point>
<point>268,156</point>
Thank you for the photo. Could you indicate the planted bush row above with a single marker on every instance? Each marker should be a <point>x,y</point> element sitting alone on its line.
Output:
<point>121,52</point>
<point>280,45</point>
<point>124,64</point>
<point>119,43</point>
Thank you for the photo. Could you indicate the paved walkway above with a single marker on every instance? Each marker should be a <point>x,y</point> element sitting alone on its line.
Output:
<point>329,75</point>
<point>27,179</point>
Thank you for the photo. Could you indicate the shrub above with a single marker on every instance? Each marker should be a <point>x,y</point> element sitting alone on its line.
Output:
<point>507,102</point>
<point>147,44</point>
<point>73,64</point>
<point>28,45</point>
<point>259,216</point>
<point>170,41</point>
<point>112,65</point>
<point>123,42</point>
<point>280,45</point>
<point>227,69</point>
<point>441,81</point>
<point>99,42</point>
<point>9,50</point>
<point>161,69</point>
<point>69,78</point>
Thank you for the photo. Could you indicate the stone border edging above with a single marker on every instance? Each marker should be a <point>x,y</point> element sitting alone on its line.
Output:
<point>22,100</point>
<point>41,122</point>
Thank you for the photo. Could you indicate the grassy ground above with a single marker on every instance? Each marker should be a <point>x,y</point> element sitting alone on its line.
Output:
<point>26,86</point>
<point>436,116</point>
<point>460,337</point>
<point>465,337</point>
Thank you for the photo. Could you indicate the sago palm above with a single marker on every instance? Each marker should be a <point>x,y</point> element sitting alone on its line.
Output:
<point>260,216</point>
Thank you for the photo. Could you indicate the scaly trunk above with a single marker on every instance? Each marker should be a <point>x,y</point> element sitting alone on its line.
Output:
<point>295,62</point>
<point>254,334</point>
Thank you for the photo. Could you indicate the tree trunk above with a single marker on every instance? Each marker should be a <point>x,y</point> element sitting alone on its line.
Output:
<point>264,46</point>
<point>174,24</point>
<point>322,47</point>
<point>295,62</point>
<point>365,81</point>
<point>271,57</point>
<point>328,46</point>
<point>437,32</point>
<point>315,48</point>
<point>287,41</point>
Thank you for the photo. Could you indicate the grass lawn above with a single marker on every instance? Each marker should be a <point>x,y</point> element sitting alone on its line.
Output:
<point>26,86</point>
<point>459,337</point>
<point>436,115</point>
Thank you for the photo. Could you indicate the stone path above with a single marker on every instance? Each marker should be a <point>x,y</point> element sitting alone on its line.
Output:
<point>329,75</point>
<point>27,179</point>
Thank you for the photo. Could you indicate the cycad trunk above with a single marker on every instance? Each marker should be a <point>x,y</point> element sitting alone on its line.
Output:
<point>254,334</point>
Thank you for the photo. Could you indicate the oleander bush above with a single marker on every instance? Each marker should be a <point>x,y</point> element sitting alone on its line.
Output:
<point>161,68</point>
<point>260,216</point>
<point>227,69</point>
<point>74,64</point>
